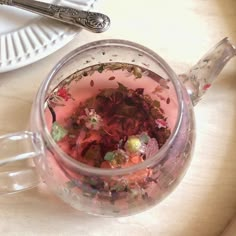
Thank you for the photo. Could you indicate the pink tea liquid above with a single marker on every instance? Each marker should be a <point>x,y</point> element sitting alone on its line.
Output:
<point>112,116</point>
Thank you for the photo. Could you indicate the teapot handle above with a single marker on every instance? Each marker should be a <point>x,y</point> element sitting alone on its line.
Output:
<point>201,76</point>
<point>18,147</point>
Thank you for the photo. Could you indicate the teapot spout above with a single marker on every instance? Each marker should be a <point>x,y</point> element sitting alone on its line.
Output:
<point>202,75</point>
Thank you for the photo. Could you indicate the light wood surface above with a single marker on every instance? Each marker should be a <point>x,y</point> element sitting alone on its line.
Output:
<point>205,201</point>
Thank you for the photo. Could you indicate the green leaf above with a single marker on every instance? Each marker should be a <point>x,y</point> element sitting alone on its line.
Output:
<point>58,132</point>
<point>144,138</point>
<point>109,156</point>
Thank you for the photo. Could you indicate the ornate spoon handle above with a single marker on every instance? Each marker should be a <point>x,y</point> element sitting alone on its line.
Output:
<point>92,21</point>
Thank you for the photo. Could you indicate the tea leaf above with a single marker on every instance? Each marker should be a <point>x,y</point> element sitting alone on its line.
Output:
<point>58,132</point>
<point>156,103</point>
<point>93,152</point>
<point>115,66</point>
<point>137,72</point>
<point>154,112</point>
<point>91,101</point>
<point>118,187</point>
<point>112,78</point>
<point>139,91</point>
<point>126,110</point>
<point>92,181</point>
<point>122,88</point>
<point>85,74</point>
<point>91,83</point>
<point>100,68</point>
<point>107,92</point>
<point>70,184</point>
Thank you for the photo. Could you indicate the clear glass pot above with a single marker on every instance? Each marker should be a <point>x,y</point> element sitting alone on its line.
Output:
<point>101,191</point>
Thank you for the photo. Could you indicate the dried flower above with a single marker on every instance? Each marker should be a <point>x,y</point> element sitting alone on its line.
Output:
<point>133,144</point>
<point>161,123</point>
<point>152,148</point>
<point>63,93</point>
<point>92,119</point>
<point>117,158</point>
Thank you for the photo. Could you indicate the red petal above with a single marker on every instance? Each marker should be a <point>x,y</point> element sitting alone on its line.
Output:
<point>206,86</point>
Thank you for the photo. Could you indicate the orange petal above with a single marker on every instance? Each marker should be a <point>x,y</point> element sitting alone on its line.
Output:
<point>135,159</point>
<point>105,164</point>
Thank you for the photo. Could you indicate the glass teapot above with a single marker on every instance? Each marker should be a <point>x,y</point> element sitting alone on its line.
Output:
<point>130,188</point>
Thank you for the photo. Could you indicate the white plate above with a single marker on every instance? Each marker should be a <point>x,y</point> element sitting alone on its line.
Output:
<point>26,37</point>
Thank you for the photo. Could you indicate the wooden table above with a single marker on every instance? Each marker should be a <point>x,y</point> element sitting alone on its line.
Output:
<point>205,201</point>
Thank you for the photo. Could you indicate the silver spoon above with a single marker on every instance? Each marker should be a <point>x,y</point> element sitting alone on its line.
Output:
<point>92,21</point>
